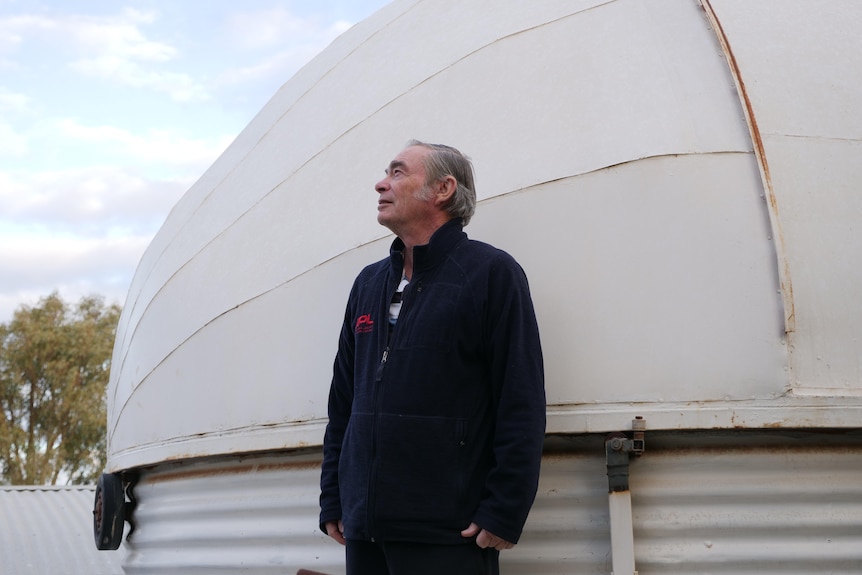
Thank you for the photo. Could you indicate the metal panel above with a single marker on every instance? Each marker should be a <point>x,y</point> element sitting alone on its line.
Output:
<point>798,68</point>
<point>789,508</point>
<point>714,503</point>
<point>651,301</point>
<point>47,529</point>
<point>259,515</point>
<point>256,515</point>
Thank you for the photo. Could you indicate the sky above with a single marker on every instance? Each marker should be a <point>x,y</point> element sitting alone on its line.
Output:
<point>111,110</point>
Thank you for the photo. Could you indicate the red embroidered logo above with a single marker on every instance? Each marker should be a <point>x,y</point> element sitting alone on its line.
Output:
<point>364,324</point>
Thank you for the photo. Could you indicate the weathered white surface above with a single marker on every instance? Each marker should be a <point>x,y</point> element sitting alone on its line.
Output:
<point>801,65</point>
<point>615,160</point>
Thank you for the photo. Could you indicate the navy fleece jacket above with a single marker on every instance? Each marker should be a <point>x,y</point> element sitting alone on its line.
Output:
<point>441,422</point>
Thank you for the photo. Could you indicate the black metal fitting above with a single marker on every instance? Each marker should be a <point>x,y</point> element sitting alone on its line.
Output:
<point>618,448</point>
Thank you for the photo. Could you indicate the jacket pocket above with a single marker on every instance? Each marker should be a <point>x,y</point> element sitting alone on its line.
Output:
<point>419,470</point>
<point>353,471</point>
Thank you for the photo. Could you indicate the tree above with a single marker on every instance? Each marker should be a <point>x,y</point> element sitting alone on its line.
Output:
<point>54,366</point>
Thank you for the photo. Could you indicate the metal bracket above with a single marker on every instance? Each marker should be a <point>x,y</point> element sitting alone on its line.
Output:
<point>618,448</point>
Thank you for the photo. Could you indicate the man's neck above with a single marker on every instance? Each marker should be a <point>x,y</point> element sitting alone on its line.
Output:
<point>417,238</point>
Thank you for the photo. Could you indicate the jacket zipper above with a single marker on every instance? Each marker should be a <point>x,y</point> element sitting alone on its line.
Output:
<point>372,472</point>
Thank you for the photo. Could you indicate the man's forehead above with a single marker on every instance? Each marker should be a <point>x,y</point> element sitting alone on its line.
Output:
<point>410,157</point>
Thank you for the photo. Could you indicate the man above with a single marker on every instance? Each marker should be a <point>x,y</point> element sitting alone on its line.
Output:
<point>437,404</point>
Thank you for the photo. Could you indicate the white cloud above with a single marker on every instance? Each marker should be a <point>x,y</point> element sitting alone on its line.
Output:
<point>11,142</point>
<point>267,28</point>
<point>119,36</point>
<point>13,105</point>
<point>94,202</point>
<point>35,265</point>
<point>12,32</point>
<point>79,232</point>
<point>286,41</point>
<point>154,146</point>
<point>180,87</point>
<point>110,47</point>
<point>13,28</point>
<point>38,257</point>
<point>281,65</point>
<point>13,101</point>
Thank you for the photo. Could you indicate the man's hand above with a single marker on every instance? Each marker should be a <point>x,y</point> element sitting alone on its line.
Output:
<point>486,538</point>
<point>335,529</point>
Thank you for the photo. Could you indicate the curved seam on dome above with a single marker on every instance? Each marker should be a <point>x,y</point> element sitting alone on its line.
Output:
<point>623,163</point>
<point>812,137</point>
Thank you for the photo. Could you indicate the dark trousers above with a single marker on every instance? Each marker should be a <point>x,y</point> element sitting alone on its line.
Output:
<point>397,558</point>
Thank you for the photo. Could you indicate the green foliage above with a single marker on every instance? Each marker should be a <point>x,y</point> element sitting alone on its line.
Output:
<point>54,366</point>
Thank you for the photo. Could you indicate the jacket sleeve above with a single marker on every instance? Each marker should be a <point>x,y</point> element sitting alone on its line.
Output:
<point>340,404</point>
<point>517,372</point>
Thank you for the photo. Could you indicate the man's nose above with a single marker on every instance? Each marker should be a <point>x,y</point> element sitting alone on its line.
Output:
<point>381,186</point>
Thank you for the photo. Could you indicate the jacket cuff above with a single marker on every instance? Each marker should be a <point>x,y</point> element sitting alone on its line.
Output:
<point>504,530</point>
<point>326,517</point>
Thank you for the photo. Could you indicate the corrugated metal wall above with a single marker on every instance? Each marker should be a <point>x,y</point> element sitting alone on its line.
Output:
<point>790,503</point>
<point>706,503</point>
<point>257,515</point>
<point>49,530</point>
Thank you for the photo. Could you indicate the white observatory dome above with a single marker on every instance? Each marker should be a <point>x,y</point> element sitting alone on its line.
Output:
<point>679,179</point>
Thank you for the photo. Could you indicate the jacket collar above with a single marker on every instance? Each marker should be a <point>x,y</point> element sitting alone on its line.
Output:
<point>435,251</point>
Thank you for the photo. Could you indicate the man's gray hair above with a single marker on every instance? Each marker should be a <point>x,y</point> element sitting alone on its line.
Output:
<point>445,161</point>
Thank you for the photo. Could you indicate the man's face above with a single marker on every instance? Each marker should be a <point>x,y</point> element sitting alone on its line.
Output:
<point>402,205</point>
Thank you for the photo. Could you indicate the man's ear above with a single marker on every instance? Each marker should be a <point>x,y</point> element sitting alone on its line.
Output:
<point>444,190</point>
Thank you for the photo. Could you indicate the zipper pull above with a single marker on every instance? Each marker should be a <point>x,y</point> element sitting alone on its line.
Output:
<point>382,364</point>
